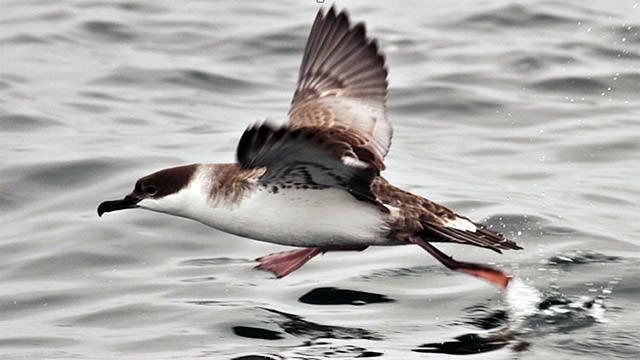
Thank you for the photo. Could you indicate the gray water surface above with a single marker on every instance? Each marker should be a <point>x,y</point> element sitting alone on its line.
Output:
<point>521,114</point>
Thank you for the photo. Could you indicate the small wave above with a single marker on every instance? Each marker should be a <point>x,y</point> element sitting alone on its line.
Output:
<point>581,258</point>
<point>214,261</point>
<point>192,78</point>
<point>571,84</point>
<point>606,52</point>
<point>66,173</point>
<point>607,199</point>
<point>630,32</point>
<point>286,41</point>
<point>532,62</point>
<point>621,149</point>
<point>89,108</point>
<point>22,122</point>
<point>619,83</point>
<point>406,272</point>
<point>109,30</point>
<point>443,100</point>
<point>484,317</point>
<point>142,7</point>
<point>68,262</point>
<point>512,224</point>
<point>22,39</point>
<point>516,16</point>
<point>528,176</point>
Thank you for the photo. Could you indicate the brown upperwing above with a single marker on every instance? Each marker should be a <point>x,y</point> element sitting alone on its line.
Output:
<point>342,86</point>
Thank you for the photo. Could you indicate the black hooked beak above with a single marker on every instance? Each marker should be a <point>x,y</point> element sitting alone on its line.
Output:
<point>129,202</point>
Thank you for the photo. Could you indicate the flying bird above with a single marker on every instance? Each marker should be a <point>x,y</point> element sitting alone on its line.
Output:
<point>315,183</point>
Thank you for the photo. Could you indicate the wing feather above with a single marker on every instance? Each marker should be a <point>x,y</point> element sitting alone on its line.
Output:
<point>342,85</point>
<point>306,158</point>
<point>480,237</point>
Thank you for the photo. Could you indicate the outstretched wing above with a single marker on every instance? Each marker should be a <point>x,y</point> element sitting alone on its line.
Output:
<point>342,85</point>
<point>306,158</point>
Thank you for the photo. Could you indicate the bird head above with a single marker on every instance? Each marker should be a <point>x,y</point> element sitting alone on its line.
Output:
<point>159,191</point>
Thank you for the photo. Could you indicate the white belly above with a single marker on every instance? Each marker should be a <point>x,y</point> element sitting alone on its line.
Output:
<point>308,218</point>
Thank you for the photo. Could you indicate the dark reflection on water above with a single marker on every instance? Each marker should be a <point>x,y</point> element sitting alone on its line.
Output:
<point>333,296</point>
<point>256,333</point>
<point>467,344</point>
<point>256,357</point>
<point>295,325</point>
<point>485,318</point>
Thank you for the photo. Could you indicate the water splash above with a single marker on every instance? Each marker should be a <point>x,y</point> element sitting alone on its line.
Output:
<point>522,299</point>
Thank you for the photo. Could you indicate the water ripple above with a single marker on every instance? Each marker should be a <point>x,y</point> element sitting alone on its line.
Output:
<point>108,30</point>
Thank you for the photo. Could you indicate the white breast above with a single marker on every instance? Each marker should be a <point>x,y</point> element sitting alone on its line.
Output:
<point>309,218</point>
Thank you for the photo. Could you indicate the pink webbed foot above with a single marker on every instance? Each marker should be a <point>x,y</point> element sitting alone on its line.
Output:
<point>495,276</point>
<point>284,263</point>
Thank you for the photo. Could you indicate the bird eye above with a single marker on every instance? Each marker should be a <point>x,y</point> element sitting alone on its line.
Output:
<point>150,189</point>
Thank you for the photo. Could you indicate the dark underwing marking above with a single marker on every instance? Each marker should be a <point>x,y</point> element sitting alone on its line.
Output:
<point>306,158</point>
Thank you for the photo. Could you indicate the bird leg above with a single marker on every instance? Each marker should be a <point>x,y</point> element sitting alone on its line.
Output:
<point>284,263</point>
<point>484,272</point>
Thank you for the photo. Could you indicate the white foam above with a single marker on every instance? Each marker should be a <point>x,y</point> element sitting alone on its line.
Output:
<point>522,299</point>
<point>597,311</point>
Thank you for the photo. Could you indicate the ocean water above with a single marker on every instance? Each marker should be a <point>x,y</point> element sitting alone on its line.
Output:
<point>522,114</point>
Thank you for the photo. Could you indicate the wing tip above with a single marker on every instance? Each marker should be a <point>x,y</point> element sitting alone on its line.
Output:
<point>336,53</point>
<point>256,133</point>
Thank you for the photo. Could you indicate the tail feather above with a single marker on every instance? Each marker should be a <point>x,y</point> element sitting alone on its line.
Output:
<point>482,237</point>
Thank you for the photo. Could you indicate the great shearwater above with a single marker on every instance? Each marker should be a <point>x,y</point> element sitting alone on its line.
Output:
<point>315,183</point>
